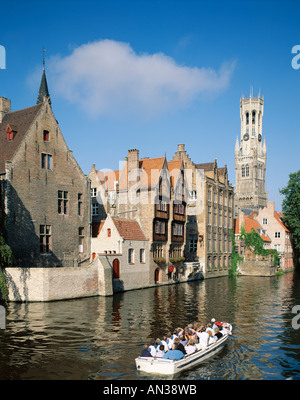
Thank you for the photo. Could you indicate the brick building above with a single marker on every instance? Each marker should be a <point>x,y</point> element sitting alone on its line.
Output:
<point>151,191</point>
<point>44,193</point>
<point>209,214</point>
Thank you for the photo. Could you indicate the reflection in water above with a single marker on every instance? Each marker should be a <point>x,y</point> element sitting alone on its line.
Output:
<point>99,337</point>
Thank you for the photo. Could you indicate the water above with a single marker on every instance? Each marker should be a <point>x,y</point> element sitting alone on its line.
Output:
<point>98,338</point>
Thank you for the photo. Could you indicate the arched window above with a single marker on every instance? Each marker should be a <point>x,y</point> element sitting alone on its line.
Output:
<point>247,118</point>
<point>243,170</point>
<point>253,117</point>
<point>247,170</point>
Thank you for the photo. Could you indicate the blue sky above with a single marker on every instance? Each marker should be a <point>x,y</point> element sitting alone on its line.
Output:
<point>153,74</point>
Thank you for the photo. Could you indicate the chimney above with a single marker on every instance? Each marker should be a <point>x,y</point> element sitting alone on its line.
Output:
<point>133,165</point>
<point>4,107</point>
<point>181,147</point>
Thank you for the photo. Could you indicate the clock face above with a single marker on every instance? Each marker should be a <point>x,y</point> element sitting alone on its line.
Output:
<point>259,137</point>
<point>246,136</point>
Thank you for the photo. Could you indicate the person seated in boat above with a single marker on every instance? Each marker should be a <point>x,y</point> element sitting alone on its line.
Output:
<point>182,340</point>
<point>164,342</point>
<point>175,334</point>
<point>160,351</point>
<point>217,334</point>
<point>190,348</point>
<point>191,334</point>
<point>174,353</point>
<point>179,345</point>
<point>211,338</point>
<point>169,340</point>
<point>152,348</point>
<point>209,328</point>
<point>145,351</point>
<point>203,338</point>
<point>213,322</point>
<point>226,329</point>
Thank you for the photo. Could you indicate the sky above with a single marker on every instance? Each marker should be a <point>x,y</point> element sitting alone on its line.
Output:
<point>154,74</point>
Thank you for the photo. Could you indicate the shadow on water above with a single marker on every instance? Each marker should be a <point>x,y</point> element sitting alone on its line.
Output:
<point>99,338</point>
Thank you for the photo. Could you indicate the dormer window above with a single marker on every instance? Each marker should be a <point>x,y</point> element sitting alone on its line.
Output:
<point>10,131</point>
<point>46,136</point>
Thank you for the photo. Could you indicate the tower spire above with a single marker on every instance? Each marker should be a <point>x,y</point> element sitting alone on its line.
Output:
<point>43,92</point>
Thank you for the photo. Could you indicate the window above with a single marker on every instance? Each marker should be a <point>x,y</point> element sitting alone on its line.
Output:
<point>142,256</point>
<point>265,221</point>
<point>130,256</point>
<point>81,239</point>
<point>46,136</point>
<point>247,118</point>
<point>108,232</point>
<point>193,195</point>
<point>277,235</point>
<point>247,170</point>
<point>46,161</point>
<point>162,205</point>
<point>63,202</point>
<point>243,171</point>
<point>93,192</point>
<point>179,209</point>
<point>178,229</point>
<point>160,227</point>
<point>253,117</point>
<point>193,243</point>
<point>277,247</point>
<point>95,209</point>
<point>45,239</point>
<point>157,250</point>
<point>79,203</point>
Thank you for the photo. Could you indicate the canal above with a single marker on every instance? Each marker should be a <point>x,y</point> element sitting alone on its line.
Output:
<point>98,338</point>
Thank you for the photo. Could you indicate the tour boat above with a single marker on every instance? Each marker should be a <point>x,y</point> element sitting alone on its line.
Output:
<point>153,365</point>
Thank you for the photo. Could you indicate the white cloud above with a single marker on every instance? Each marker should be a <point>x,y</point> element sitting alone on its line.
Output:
<point>108,77</point>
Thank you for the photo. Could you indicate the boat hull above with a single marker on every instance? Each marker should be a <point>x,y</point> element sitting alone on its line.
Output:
<point>170,367</point>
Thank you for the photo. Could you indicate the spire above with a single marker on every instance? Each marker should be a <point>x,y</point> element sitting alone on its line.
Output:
<point>237,145</point>
<point>43,92</point>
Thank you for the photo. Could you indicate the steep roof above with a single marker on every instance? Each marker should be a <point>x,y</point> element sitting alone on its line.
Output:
<point>20,121</point>
<point>129,229</point>
<point>43,92</point>
<point>206,166</point>
<point>278,217</point>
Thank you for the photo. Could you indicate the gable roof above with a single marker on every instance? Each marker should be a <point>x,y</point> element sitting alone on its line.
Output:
<point>20,121</point>
<point>278,217</point>
<point>129,229</point>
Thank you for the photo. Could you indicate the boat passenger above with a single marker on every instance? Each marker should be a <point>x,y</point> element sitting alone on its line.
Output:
<point>152,348</point>
<point>174,353</point>
<point>226,329</point>
<point>160,352</point>
<point>182,340</point>
<point>164,342</point>
<point>214,326</point>
<point>217,334</point>
<point>157,343</point>
<point>180,346</point>
<point>211,337</point>
<point>190,348</point>
<point>203,338</point>
<point>209,328</point>
<point>145,351</point>
<point>169,340</point>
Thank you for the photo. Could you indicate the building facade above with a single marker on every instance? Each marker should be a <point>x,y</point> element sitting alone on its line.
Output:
<point>44,193</point>
<point>250,157</point>
<point>281,237</point>
<point>209,215</point>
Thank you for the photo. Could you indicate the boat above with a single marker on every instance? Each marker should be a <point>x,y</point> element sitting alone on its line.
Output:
<point>155,365</point>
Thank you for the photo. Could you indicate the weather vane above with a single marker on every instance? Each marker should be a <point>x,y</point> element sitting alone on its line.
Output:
<point>44,57</point>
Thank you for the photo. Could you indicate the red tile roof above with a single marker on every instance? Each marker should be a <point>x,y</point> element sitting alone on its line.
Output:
<point>249,224</point>
<point>278,217</point>
<point>129,229</point>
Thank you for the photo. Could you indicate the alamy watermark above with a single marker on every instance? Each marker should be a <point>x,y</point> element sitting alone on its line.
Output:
<point>2,57</point>
<point>296,58</point>
<point>2,317</point>
<point>295,320</point>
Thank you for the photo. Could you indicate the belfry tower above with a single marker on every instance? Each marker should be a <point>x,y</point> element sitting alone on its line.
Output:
<point>251,157</point>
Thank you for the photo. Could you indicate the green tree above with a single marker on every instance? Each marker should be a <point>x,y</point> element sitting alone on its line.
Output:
<point>291,210</point>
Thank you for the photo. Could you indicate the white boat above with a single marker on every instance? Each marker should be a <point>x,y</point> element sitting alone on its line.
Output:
<point>153,365</point>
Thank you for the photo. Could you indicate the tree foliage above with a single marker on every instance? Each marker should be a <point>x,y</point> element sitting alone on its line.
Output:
<point>291,210</point>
